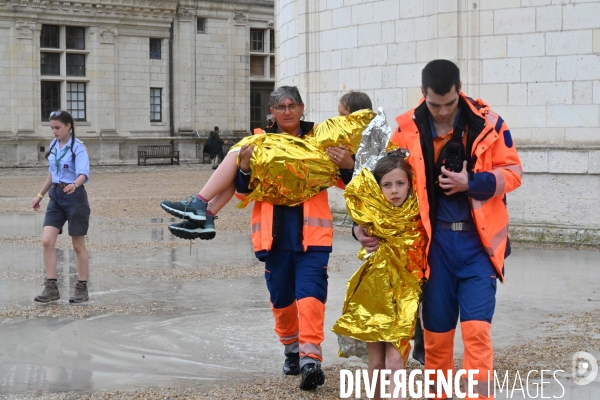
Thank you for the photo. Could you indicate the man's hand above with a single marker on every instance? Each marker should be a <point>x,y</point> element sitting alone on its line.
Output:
<point>341,157</point>
<point>245,154</point>
<point>370,243</point>
<point>454,182</point>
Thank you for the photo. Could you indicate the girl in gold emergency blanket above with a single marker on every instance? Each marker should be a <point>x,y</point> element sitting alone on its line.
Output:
<point>383,295</point>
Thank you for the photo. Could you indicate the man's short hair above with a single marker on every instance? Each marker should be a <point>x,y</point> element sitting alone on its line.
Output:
<point>216,128</point>
<point>440,76</point>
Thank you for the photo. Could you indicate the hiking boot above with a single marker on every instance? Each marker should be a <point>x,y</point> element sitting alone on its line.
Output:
<point>192,230</point>
<point>50,292</point>
<point>312,375</point>
<point>291,366</point>
<point>81,293</point>
<point>191,208</point>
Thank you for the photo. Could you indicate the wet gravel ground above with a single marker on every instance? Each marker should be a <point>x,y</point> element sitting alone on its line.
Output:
<point>125,199</point>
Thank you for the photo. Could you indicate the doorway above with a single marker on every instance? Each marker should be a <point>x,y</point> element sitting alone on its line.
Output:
<point>259,103</point>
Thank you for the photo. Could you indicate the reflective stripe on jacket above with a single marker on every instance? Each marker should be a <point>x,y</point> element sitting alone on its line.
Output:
<point>317,226</point>
<point>495,163</point>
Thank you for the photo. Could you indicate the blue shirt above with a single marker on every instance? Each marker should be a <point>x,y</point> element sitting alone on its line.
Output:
<point>455,208</point>
<point>62,167</point>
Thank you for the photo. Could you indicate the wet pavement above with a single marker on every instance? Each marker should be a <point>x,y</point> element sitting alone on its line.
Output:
<point>165,314</point>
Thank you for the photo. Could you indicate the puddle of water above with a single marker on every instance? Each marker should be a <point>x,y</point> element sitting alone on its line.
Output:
<point>103,352</point>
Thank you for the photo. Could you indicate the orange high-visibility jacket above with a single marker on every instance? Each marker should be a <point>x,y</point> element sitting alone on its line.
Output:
<point>493,151</point>
<point>317,229</point>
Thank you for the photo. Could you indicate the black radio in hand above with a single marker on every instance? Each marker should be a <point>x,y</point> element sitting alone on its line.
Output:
<point>454,152</point>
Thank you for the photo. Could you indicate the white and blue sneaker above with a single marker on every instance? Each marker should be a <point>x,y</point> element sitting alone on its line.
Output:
<point>192,230</point>
<point>191,208</point>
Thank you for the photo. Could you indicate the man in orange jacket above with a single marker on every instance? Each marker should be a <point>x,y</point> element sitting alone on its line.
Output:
<point>465,162</point>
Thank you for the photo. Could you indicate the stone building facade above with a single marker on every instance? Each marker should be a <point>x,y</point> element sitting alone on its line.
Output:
<point>132,72</point>
<point>537,62</point>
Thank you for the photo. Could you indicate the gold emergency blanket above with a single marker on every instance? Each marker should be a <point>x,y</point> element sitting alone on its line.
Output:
<point>286,170</point>
<point>383,295</point>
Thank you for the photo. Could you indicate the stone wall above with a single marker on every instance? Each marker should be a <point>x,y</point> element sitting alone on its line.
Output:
<point>211,84</point>
<point>536,62</point>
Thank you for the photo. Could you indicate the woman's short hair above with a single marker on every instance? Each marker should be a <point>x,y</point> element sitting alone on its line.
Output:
<point>354,101</point>
<point>285,92</point>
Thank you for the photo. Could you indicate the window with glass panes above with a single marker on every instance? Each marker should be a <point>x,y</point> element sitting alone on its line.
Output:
<point>50,98</point>
<point>272,41</point>
<point>155,104</point>
<point>75,64</point>
<point>155,48</point>
<point>76,100</point>
<point>49,38</point>
<point>75,36</point>
<point>50,63</point>
<point>256,40</point>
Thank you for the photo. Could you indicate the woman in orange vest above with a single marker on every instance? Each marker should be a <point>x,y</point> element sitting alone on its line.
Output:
<point>294,243</point>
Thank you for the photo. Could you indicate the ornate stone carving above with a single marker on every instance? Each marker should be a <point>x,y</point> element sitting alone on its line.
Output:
<point>108,35</point>
<point>137,8</point>
<point>240,18</point>
<point>25,30</point>
<point>185,14</point>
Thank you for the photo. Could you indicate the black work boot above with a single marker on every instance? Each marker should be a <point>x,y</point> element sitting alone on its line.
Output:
<point>291,366</point>
<point>50,292</point>
<point>312,375</point>
<point>81,293</point>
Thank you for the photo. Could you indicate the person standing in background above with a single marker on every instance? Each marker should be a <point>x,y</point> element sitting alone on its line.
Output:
<point>214,148</point>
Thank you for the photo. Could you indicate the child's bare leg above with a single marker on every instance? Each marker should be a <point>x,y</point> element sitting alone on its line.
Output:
<point>394,362</point>
<point>376,362</point>
<point>222,179</point>
<point>220,200</point>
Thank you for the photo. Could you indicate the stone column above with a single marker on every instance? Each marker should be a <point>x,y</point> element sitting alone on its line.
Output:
<point>184,71</point>
<point>238,92</point>
<point>102,62</point>
<point>26,92</point>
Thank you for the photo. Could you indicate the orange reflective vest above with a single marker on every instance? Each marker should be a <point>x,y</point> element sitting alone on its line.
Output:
<point>317,227</point>
<point>493,151</point>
